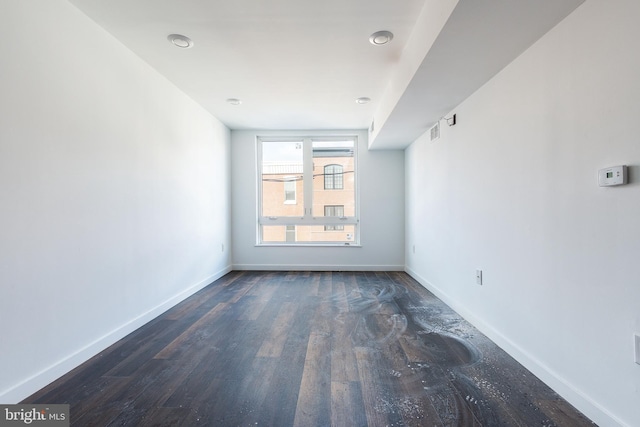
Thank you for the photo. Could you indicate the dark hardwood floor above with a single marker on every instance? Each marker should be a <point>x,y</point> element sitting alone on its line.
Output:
<point>308,349</point>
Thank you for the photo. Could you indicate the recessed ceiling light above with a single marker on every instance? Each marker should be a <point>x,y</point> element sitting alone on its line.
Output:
<point>381,37</point>
<point>181,41</point>
<point>363,100</point>
<point>234,101</point>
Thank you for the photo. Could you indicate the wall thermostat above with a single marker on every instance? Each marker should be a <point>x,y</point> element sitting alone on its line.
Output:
<point>615,175</point>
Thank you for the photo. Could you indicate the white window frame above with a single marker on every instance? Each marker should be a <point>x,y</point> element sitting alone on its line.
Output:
<point>308,218</point>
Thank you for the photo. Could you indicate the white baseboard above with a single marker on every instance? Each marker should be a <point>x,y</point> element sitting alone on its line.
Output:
<point>316,267</point>
<point>570,393</point>
<point>34,383</point>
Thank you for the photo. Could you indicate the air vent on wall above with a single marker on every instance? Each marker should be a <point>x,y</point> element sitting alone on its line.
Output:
<point>435,131</point>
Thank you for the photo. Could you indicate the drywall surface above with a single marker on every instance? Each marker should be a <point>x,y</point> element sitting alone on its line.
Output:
<point>381,184</point>
<point>512,190</point>
<point>115,193</point>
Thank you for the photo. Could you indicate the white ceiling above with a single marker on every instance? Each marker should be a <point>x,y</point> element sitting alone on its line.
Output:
<point>300,64</point>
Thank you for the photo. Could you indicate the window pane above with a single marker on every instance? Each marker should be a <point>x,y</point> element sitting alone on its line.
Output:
<point>282,179</point>
<point>333,176</point>
<point>307,233</point>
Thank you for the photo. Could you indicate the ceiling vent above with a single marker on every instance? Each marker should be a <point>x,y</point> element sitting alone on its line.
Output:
<point>435,132</point>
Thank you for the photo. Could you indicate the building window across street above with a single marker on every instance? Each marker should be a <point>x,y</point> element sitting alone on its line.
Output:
<point>333,210</point>
<point>319,178</point>
<point>333,177</point>
<point>290,190</point>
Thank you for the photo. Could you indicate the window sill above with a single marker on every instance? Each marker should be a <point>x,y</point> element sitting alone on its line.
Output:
<point>308,245</point>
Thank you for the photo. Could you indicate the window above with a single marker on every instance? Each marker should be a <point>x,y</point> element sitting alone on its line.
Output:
<point>318,177</point>
<point>333,177</point>
<point>334,211</point>
<point>290,190</point>
<point>290,233</point>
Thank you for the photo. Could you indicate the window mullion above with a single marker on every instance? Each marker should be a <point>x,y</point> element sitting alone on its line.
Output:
<point>308,178</point>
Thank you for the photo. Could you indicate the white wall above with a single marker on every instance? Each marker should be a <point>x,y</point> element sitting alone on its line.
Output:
<point>115,193</point>
<point>381,182</point>
<point>512,189</point>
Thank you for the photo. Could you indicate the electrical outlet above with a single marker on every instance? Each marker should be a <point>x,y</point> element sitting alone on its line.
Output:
<point>637,349</point>
<point>414,249</point>
<point>222,247</point>
<point>479,277</point>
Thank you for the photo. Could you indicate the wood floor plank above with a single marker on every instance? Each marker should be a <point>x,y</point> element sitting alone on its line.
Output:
<point>273,344</point>
<point>193,330</point>
<point>347,407</point>
<point>326,283</point>
<point>254,391</point>
<point>145,347</point>
<point>313,406</point>
<point>407,381</point>
<point>280,406</point>
<point>187,307</point>
<point>142,397</point>
<point>314,284</point>
<point>370,385</point>
<point>164,417</point>
<point>240,291</point>
<point>192,385</point>
<point>201,406</point>
<point>122,400</point>
<point>344,367</point>
<point>249,307</point>
<point>255,302</point>
<point>340,298</point>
